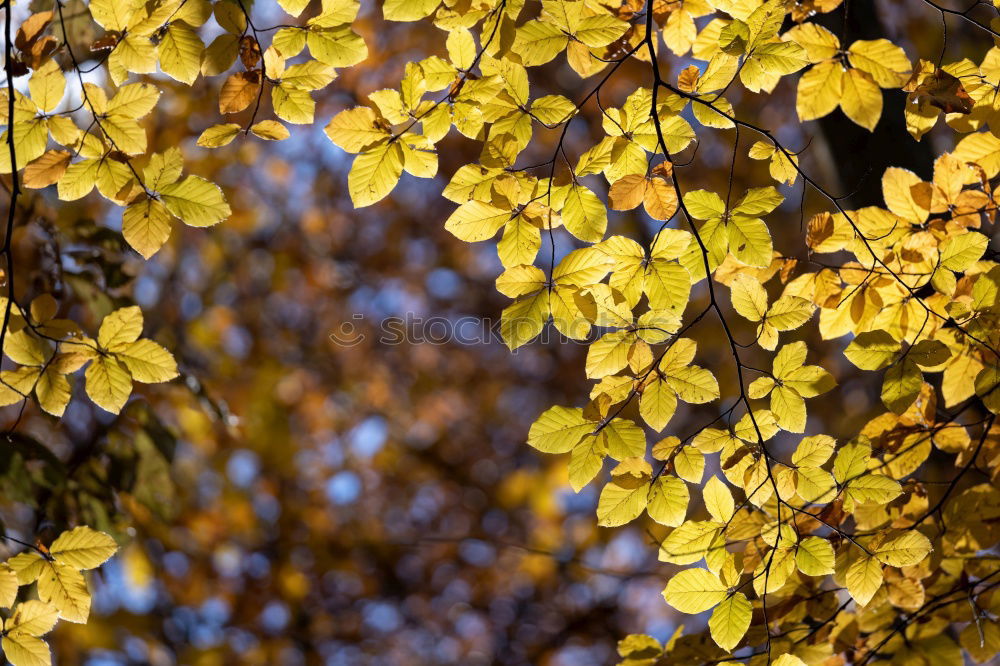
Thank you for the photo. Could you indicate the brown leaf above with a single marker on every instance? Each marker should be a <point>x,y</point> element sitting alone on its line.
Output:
<point>945,92</point>
<point>249,52</point>
<point>239,91</point>
<point>42,49</point>
<point>660,199</point>
<point>47,169</point>
<point>626,193</point>
<point>688,78</point>
<point>106,41</point>
<point>31,29</point>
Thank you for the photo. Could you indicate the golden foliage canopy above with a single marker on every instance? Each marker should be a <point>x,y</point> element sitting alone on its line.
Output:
<point>807,546</point>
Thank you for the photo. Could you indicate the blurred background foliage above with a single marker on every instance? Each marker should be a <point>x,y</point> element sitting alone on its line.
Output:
<point>295,500</point>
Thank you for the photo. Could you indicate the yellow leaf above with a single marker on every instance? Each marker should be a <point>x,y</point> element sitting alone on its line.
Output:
<point>690,542</point>
<point>23,649</point>
<point>820,90</point>
<point>292,104</point>
<point>337,47</point>
<point>8,586</point>
<point>146,226</point>
<point>983,148</point>
<point>813,451</point>
<point>31,618</point>
<point>293,7</point>
<point>120,328</point>
<point>309,75</point>
<point>53,392</point>
<point>584,214</point>
<point>600,30</point>
<point>83,547</point>
<point>789,312</point>
<point>718,500</point>
<point>180,52</point>
<point>270,130</point>
<point>64,587</point>
<point>901,385</point>
<point>476,221</point>
<point>814,485</point>
<point>585,461</point>
<point>897,189</point>
<point>609,354</point>
<point>623,439</point>
<point>904,549</point>
<point>690,464</point>
<point>538,42</point>
<point>108,383</point>
<point>374,174</point>
<point>619,505</point>
<point>147,362</point>
<point>958,253</point>
<point>520,281</point>
<point>462,48</point>
<point>694,591</point>
<point>559,429</point>
<point>864,578</point>
<point>668,500</point>
<point>814,556</point>
<point>884,61</point>
<point>356,130</point>
<point>730,621</point>
<point>113,14</point>
<point>657,404</point>
<point>408,10</point>
<point>872,350</point>
<point>819,43</point>
<point>789,409</point>
<point>749,240</point>
<point>47,86</point>
<point>861,99</point>
<point>218,135</point>
<point>873,489</point>
<point>524,319</point>
<point>30,139</point>
<point>196,201</point>
<point>78,180</point>
<point>749,298</point>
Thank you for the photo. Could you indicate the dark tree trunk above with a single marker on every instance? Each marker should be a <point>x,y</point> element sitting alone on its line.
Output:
<point>861,156</point>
